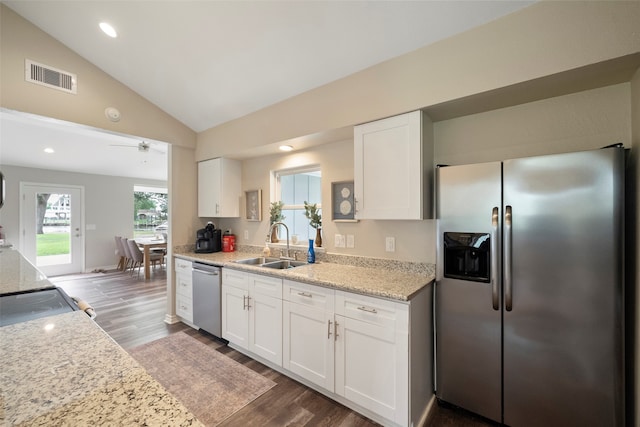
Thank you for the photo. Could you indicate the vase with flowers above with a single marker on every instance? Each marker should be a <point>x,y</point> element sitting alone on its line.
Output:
<point>275,215</point>
<point>312,212</point>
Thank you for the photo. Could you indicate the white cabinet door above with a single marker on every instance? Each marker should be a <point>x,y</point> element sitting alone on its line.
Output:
<point>372,354</point>
<point>265,317</point>
<point>219,188</point>
<point>252,313</point>
<point>265,327</point>
<point>372,367</point>
<point>393,166</point>
<point>308,343</point>
<point>235,317</point>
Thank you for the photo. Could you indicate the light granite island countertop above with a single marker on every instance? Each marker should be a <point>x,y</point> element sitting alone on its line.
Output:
<point>64,370</point>
<point>394,280</point>
<point>17,274</point>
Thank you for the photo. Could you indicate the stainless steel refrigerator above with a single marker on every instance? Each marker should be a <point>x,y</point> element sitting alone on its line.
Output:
<point>529,289</point>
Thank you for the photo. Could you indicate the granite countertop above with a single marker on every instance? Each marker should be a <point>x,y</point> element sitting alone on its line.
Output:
<point>65,370</point>
<point>379,278</point>
<point>18,274</point>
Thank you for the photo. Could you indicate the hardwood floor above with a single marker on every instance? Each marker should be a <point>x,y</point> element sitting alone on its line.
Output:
<point>132,312</point>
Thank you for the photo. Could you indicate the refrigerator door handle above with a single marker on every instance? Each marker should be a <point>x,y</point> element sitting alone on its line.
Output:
<point>508,285</point>
<point>495,300</point>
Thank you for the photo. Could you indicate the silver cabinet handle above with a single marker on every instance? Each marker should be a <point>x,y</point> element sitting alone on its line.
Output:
<point>248,302</point>
<point>329,322</point>
<point>368,310</point>
<point>508,260</point>
<point>495,297</point>
<point>305,294</point>
<point>335,331</point>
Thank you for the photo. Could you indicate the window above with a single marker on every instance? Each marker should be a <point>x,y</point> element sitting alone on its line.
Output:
<point>293,188</point>
<point>150,211</point>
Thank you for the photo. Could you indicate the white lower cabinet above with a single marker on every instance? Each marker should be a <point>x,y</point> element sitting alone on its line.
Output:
<point>353,347</point>
<point>252,313</point>
<point>184,290</point>
<point>308,335</point>
<point>372,355</point>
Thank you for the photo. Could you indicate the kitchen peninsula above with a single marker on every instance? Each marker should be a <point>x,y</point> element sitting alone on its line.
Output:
<point>65,370</point>
<point>329,325</point>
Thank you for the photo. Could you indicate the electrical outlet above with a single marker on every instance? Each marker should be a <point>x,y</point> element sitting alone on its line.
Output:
<point>339,241</point>
<point>390,244</point>
<point>246,234</point>
<point>351,241</point>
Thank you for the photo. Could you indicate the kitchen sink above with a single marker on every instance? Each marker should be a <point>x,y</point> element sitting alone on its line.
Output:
<point>283,264</point>
<point>257,261</point>
<point>276,263</point>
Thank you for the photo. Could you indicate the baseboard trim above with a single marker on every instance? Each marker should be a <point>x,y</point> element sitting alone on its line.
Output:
<point>171,319</point>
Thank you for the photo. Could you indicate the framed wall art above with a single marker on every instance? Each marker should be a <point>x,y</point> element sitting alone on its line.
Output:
<point>343,207</point>
<point>253,205</point>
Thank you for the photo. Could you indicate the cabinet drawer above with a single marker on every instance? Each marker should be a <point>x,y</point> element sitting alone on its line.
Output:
<point>309,295</point>
<point>373,310</point>
<point>265,285</point>
<point>184,285</point>
<point>235,278</point>
<point>184,307</point>
<point>183,266</point>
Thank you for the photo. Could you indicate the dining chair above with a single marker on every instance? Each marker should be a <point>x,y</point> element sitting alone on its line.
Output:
<point>120,253</point>
<point>127,253</point>
<point>138,256</point>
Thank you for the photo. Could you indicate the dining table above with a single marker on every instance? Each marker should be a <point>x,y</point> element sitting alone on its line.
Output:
<point>147,244</point>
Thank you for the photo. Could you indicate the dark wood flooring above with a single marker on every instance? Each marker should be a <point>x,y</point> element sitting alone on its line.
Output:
<point>132,312</point>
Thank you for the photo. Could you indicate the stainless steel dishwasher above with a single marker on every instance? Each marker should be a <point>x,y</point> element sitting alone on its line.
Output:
<point>206,298</point>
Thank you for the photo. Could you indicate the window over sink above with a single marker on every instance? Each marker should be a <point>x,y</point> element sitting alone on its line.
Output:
<point>293,187</point>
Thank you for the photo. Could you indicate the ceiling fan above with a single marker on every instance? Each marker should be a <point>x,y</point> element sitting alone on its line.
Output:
<point>143,147</point>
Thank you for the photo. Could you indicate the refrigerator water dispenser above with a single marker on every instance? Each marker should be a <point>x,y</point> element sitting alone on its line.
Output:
<point>467,256</point>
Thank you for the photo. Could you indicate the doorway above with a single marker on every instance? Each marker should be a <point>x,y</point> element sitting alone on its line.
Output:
<point>51,220</point>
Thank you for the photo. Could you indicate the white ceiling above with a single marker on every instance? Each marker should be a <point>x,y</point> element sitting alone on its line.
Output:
<point>77,148</point>
<point>208,62</point>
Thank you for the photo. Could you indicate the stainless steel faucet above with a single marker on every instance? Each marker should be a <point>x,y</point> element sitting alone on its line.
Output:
<point>286,228</point>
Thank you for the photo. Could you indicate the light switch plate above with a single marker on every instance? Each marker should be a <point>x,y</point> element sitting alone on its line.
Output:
<point>339,241</point>
<point>246,234</point>
<point>351,241</point>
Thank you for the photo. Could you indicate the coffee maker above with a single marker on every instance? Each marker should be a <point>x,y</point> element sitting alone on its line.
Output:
<point>208,239</point>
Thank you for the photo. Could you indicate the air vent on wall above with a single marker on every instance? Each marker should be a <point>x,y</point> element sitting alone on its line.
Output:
<point>50,77</point>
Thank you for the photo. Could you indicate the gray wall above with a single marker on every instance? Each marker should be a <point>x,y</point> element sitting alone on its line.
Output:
<point>108,205</point>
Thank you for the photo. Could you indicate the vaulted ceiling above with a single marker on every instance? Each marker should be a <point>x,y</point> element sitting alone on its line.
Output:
<point>208,62</point>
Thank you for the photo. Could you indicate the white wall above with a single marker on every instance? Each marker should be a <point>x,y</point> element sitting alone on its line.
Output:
<point>108,205</point>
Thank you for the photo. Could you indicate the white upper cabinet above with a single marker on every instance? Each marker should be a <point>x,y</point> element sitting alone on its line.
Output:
<point>219,188</point>
<point>393,170</point>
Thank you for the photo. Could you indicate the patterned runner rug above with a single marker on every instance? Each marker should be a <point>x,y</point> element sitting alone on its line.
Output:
<point>211,385</point>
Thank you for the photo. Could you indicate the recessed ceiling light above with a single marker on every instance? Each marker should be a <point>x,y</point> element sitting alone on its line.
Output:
<point>49,150</point>
<point>286,148</point>
<point>108,29</point>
